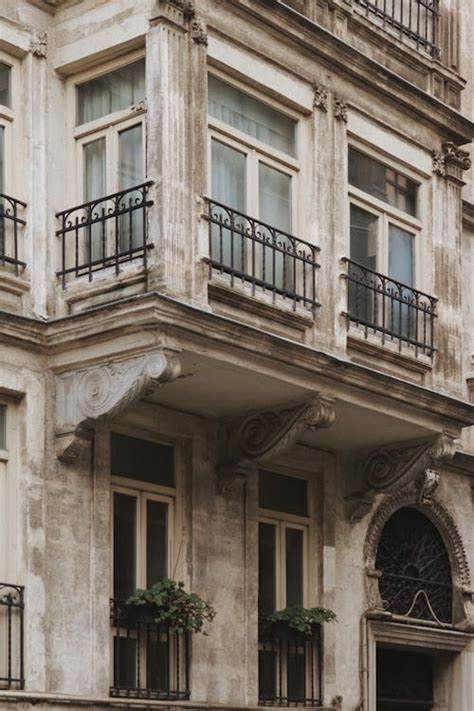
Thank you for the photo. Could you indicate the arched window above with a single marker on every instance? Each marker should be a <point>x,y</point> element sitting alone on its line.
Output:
<point>414,566</point>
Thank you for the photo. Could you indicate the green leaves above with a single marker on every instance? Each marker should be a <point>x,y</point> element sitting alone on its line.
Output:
<point>182,611</point>
<point>302,618</point>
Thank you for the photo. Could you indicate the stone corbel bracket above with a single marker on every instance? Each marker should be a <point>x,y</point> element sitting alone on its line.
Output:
<point>101,392</point>
<point>391,468</point>
<point>261,436</point>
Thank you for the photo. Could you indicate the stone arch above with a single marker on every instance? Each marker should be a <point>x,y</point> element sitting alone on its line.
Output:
<point>418,496</point>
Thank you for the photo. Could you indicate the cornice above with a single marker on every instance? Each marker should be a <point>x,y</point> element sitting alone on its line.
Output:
<point>340,55</point>
<point>180,324</point>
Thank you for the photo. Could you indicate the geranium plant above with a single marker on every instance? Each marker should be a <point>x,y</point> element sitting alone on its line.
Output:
<point>172,605</point>
<point>301,618</point>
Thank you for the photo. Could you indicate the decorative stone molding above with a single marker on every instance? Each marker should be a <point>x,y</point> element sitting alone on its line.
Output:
<point>340,109</point>
<point>177,12</point>
<point>390,468</point>
<point>261,436</point>
<point>198,32</point>
<point>187,7</point>
<point>101,392</point>
<point>39,45</point>
<point>451,161</point>
<point>139,107</point>
<point>442,519</point>
<point>321,97</point>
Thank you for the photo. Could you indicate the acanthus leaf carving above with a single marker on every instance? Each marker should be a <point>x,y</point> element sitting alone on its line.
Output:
<point>340,109</point>
<point>451,160</point>
<point>39,45</point>
<point>261,436</point>
<point>321,97</point>
<point>198,32</point>
<point>101,392</point>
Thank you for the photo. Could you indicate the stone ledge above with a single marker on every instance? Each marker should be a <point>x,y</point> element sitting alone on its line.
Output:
<point>386,356</point>
<point>413,634</point>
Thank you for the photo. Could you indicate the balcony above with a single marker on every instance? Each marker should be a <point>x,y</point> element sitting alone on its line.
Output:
<point>107,232</point>
<point>150,661</point>
<point>290,665</point>
<point>10,226</point>
<point>12,675</point>
<point>399,313</point>
<point>268,260</point>
<point>414,21</point>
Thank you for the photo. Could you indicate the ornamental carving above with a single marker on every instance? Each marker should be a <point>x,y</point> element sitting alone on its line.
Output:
<point>389,468</point>
<point>101,392</point>
<point>340,109</point>
<point>450,160</point>
<point>261,436</point>
<point>198,32</point>
<point>39,45</point>
<point>321,97</point>
<point>409,497</point>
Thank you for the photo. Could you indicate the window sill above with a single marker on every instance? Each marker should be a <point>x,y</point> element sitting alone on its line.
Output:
<point>12,289</point>
<point>258,309</point>
<point>82,294</point>
<point>368,349</point>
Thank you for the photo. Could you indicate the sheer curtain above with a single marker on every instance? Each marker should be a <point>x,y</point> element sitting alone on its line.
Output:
<point>275,210</point>
<point>111,92</point>
<point>401,267</point>
<point>364,237</point>
<point>2,189</point>
<point>130,175</point>
<point>229,188</point>
<point>94,189</point>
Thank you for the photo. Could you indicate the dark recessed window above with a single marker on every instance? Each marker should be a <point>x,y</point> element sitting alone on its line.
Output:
<point>5,78</point>
<point>142,460</point>
<point>3,426</point>
<point>282,493</point>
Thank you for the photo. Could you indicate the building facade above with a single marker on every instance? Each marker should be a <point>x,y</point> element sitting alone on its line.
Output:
<point>236,293</point>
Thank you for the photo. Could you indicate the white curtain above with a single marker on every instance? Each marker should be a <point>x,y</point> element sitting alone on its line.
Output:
<point>94,188</point>
<point>229,188</point>
<point>111,92</point>
<point>275,210</point>
<point>131,174</point>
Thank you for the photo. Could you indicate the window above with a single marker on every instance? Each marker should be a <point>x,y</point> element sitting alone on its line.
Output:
<point>288,664</point>
<point>254,166</point>
<point>110,142</point>
<point>144,511</point>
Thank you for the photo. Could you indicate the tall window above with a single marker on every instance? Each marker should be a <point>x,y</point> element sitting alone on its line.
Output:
<point>287,663</point>
<point>143,500</point>
<point>6,120</point>
<point>253,159</point>
<point>109,134</point>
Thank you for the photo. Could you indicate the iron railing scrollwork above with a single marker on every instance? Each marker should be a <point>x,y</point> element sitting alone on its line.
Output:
<point>397,311</point>
<point>415,21</point>
<point>10,225</point>
<point>253,252</point>
<point>150,660</point>
<point>12,605</point>
<point>290,666</point>
<point>104,233</point>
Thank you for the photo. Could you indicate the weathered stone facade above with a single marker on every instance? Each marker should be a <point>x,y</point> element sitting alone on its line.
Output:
<point>236,373</point>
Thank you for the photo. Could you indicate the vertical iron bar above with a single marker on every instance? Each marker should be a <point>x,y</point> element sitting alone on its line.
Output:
<point>76,245</point>
<point>89,237</point>
<point>103,237</point>
<point>15,235</point>
<point>144,225</point>
<point>22,640</point>
<point>130,227</point>
<point>9,640</point>
<point>117,235</point>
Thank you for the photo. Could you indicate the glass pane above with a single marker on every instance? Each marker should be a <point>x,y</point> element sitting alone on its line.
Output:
<point>229,188</point>
<point>266,569</point>
<point>3,426</point>
<point>275,210</point>
<point>94,170</point>
<point>364,232</point>
<point>382,182</point>
<point>5,74</point>
<point>156,541</point>
<point>142,460</point>
<point>125,527</point>
<point>282,493</point>
<point>125,662</point>
<point>252,117</point>
<point>267,674</point>
<point>294,566</point>
<point>296,672</point>
<point>131,174</point>
<point>111,92</point>
<point>401,255</point>
<point>158,662</point>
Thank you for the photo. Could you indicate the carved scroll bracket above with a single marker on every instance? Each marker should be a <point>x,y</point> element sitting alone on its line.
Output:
<point>101,392</point>
<point>388,469</point>
<point>261,436</point>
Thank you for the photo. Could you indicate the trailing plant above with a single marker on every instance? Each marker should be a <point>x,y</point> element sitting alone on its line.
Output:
<point>302,618</point>
<point>172,605</point>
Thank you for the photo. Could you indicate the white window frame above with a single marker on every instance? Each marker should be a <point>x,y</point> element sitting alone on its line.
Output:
<point>108,126</point>
<point>389,214</point>
<point>256,151</point>
<point>9,121</point>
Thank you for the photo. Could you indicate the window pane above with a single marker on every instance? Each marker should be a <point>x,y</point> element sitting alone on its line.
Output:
<point>130,174</point>
<point>401,255</point>
<point>94,170</point>
<point>266,569</point>
<point>3,426</point>
<point>275,197</point>
<point>111,92</point>
<point>2,159</point>
<point>364,230</point>
<point>142,460</point>
<point>125,662</point>
<point>5,74</point>
<point>229,188</point>
<point>382,182</point>
<point>294,566</point>
<point>125,526</point>
<point>156,541</point>
<point>282,493</point>
<point>250,116</point>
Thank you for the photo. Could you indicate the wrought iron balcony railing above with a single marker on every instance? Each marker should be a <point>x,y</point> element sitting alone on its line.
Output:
<point>150,661</point>
<point>398,312</point>
<point>10,226</point>
<point>12,605</point>
<point>415,21</point>
<point>104,233</point>
<point>263,256</point>
<point>290,666</point>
